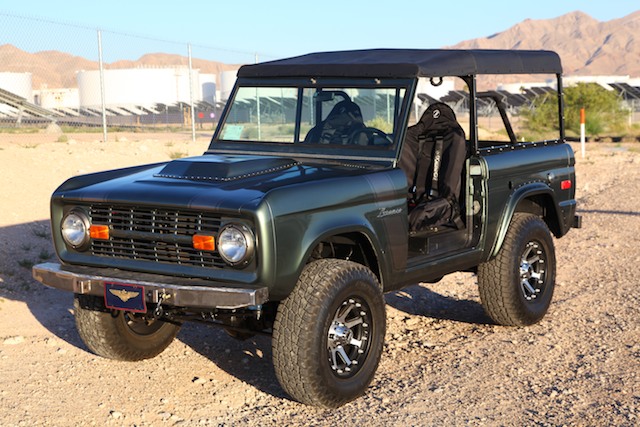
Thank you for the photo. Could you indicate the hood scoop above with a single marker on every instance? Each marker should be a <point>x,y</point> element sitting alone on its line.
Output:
<point>223,168</point>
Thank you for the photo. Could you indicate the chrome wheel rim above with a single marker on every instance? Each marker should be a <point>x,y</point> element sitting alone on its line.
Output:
<point>348,337</point>
<point>533,271</point>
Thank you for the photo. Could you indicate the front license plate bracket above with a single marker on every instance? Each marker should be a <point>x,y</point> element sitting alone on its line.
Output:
<point>124,297</point>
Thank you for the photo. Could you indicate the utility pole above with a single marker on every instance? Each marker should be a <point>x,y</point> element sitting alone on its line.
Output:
<point>102,91</point>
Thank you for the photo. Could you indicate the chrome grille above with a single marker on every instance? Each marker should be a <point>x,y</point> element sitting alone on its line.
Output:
<point>155,235</point>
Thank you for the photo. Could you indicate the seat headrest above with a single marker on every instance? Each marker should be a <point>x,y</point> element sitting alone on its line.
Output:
<point>438,117</point>
<point>346,108</point>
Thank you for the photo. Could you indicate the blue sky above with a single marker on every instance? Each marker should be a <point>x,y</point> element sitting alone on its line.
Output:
<point>234,31</point>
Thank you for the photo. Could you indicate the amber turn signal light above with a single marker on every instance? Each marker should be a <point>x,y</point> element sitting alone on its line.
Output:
<point>204,243</point>
<point>99,232</point>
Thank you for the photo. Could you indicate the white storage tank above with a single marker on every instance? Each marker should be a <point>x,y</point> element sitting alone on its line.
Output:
<point>208,88</point>
<point>138,86</point>
<point>227,80</point>
<point>17,83</point>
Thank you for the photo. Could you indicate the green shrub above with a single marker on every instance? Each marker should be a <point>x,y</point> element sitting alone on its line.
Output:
<point>603,111</point>
<point>380,123</point>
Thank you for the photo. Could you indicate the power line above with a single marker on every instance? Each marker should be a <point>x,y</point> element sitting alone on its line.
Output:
<point>147,37</point>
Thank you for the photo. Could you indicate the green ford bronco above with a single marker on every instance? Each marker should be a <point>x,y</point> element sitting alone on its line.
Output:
<point>331,179</point>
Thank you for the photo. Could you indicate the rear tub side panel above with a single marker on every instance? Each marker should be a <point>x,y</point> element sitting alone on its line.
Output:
<point>536,173</point>
<point>372,205</point>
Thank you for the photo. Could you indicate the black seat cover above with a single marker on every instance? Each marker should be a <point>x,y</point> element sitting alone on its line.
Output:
<point>338,126</point>
<point>438,121</point>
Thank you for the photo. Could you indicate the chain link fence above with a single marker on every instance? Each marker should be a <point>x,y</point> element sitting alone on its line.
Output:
<point>169,86</point>
<point>76,78</point>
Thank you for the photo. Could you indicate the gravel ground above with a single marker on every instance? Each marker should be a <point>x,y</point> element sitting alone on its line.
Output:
<point>444,363</point>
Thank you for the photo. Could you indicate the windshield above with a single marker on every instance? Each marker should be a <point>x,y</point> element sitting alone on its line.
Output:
<point>331,115</point>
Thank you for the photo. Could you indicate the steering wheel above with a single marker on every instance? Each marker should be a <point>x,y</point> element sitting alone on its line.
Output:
<point>356,138</point>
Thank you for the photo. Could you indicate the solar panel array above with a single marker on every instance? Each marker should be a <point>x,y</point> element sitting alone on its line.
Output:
<point>15,109</point>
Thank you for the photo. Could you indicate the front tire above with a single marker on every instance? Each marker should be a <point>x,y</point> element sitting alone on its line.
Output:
<point>516,286</point>
<point>328,334</point>
<point>120,335</point>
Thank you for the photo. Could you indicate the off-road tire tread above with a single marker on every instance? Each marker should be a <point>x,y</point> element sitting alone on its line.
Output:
<point>500,298</point>
<point>294,360</point>
<point>98,330</point>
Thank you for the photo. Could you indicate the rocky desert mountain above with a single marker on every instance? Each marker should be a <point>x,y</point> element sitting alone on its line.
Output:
<point>586,45</point>
<point>52,68</point>
<point>58,69</point>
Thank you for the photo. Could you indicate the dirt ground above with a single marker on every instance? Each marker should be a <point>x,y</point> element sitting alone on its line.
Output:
<point>444,363</point>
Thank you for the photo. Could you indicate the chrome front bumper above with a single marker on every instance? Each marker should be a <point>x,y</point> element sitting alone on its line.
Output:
<point>180,292</point>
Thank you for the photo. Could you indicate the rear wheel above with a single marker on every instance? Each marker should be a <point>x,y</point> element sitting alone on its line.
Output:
<point>516,286</point>
<point>120,335</point>
<point>328,334</point>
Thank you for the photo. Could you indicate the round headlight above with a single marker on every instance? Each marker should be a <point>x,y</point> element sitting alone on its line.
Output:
<point>75,228</point>
<point>235,244</point>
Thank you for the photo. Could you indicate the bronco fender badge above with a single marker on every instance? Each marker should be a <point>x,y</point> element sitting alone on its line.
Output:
<point>384,212</point>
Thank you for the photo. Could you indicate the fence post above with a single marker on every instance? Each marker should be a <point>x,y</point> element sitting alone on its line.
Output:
<point>582,132</point>
<point>191,100</point>
<point>102,97</point>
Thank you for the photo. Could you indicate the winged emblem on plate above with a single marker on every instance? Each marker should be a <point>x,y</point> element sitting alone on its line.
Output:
<point>123,294</point>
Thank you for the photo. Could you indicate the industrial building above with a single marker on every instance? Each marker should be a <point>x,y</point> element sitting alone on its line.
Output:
<point>131,96</point>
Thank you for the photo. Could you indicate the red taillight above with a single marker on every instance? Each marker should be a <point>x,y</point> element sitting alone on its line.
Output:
<point>566,184</point>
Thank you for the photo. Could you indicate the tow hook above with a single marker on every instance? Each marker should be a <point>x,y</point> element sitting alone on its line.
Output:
<point>159,311</point>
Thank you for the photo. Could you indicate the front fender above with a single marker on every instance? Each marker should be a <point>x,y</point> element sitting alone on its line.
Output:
<point>372,207</point>
<point>303,234</point>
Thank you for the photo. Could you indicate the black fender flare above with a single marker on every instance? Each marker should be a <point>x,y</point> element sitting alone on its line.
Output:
<point>364,230</point>
<point>524,192</point>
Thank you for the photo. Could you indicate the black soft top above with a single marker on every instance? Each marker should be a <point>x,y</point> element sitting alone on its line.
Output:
<point>408,63</point>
